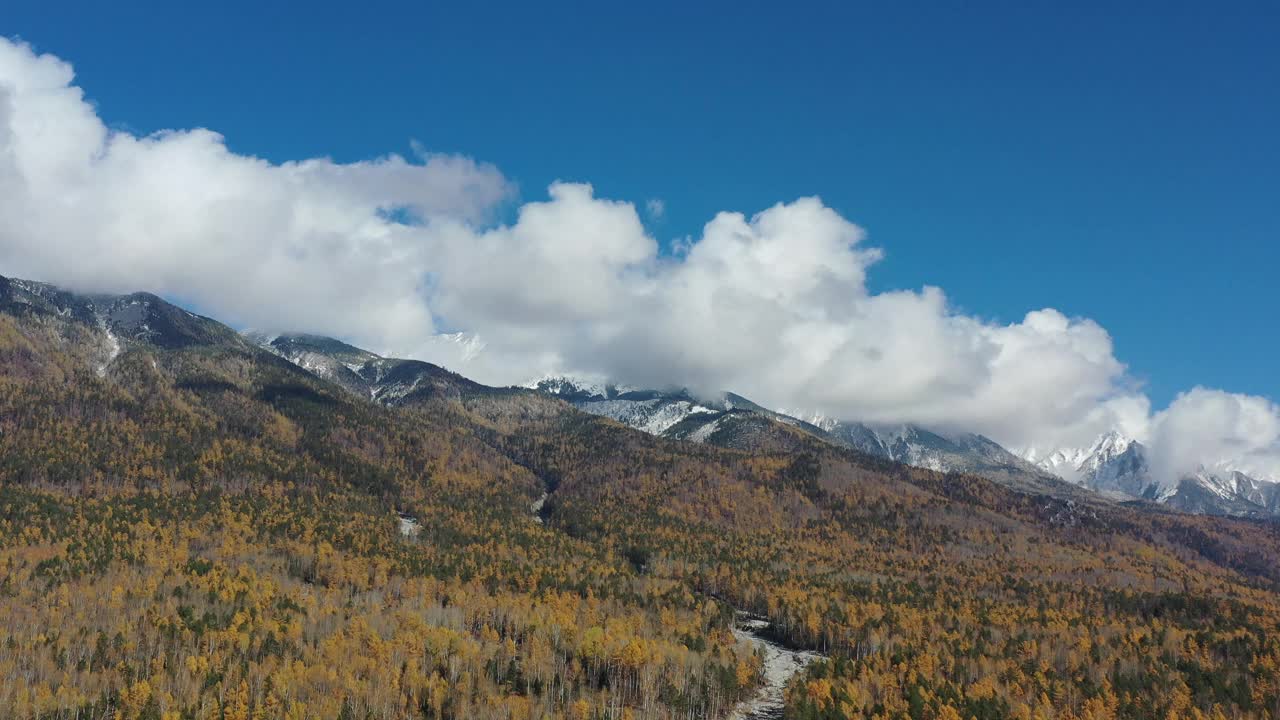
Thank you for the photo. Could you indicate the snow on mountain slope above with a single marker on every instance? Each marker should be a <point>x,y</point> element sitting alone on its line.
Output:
<point>119,321</point>
<point>942,451</point>
<point>325,357</point>
<point>1063,463</point>
<point>653,416</point>
<point>653,411</point>
<point>1216,492</point>
<point>388,381</point>
<point>573,388</point>
<point>1114,463</point>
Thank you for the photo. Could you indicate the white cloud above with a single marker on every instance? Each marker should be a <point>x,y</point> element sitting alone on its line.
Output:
<point>304,244</point>
<point>774,306</point>
<point>655,208</point>
<point>1212,427</point>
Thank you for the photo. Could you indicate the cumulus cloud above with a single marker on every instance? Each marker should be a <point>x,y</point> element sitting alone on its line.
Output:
<point>1216,428</point>
<point>310,244</point>
<point>774,306</point>
<point>401,255</point>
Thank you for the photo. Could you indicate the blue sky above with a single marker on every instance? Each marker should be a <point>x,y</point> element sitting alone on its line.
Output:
<point>1122,165</point>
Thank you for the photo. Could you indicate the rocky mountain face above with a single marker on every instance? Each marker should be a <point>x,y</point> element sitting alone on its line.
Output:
<point>652,411</point>
<point>1225,492</point>
<point>109,324</point>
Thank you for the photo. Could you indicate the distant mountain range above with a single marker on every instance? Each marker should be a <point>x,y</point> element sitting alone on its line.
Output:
<point>1114,466</point>
<point>732,420</point>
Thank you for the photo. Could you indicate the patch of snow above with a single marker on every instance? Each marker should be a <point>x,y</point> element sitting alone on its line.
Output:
<point>388,393</point>
<point>703,433</point>
<point>409,526</point>
<point>536,507</point>
<point>113,352</point>
<point>594,386</point>
<point>930,463</point>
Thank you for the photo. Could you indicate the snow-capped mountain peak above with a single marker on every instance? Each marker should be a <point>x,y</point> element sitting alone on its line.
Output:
<point>1080,465</point>
<point>1117,465</point>
<point>1109,446</point>
<point>572,386</point>
<point>1114,464</point>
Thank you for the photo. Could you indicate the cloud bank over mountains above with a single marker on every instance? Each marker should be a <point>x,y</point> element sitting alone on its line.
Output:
<point>399,254</point>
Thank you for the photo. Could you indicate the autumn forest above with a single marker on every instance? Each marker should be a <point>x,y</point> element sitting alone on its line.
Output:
<point>194,528</point>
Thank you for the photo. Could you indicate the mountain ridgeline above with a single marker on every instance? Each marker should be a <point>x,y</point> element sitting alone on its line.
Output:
<point>196,523</point>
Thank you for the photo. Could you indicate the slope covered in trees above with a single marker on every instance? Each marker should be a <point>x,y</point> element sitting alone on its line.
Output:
<point>193,527</point>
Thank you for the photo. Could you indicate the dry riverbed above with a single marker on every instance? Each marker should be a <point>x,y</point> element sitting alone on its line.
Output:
<point>780,665</point>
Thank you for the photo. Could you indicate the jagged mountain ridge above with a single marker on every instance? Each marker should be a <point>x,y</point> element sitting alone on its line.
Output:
<point>1113,464</point>
<point>728,420</point>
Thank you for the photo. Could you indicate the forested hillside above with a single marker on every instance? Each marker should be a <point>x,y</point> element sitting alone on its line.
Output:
<point>192,527</point>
